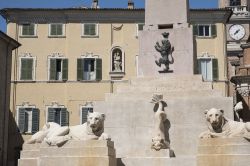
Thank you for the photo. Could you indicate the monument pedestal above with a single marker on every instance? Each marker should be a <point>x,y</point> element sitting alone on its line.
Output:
<point>73,153</point>
<point>223,152</point>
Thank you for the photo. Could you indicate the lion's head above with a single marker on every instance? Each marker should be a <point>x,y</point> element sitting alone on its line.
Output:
<point>215,119</point>
<point>95,122</point>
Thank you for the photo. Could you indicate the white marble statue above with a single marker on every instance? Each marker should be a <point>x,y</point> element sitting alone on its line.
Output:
<point>159,140</point>
<point>237,108</point>
<point>220,126</point>
<point>55,135</point>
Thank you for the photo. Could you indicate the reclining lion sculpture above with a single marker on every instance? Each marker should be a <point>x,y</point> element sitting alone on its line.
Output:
<point>222,127</point>
<point>55,135</point>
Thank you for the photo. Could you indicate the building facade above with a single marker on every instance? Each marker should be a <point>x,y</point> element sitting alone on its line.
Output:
<point>71,57</point>
<point>7,44</point>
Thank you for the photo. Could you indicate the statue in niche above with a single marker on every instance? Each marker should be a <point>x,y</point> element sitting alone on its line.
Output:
<point>55,135</point>
<point>166,50</point>
<point>162,125</point>
<point>222,127</point>
<point>117,60</point>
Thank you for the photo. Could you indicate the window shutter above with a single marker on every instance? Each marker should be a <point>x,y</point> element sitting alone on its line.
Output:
<point>213,30</point>
<point>26,69</point>
<point>32,29</point>
<point>195,30</point>
<point>215,69</point>
<point>65,69</point>
<point>80,68</point>
<point>64,117</point>
<point>199,66</point>
<point>51,115</point>
<point>98,69</point>
<point>25,29</point>
<point>21,120</point>
<point>85,111</point>
<point>35,120</point>
<point>52,29</point>
<point>52,69</point>
<point>59,29</point>
<point>92,29</point>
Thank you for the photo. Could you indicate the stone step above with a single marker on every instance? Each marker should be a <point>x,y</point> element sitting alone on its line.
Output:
<point>223,160</point>
<point>31,146</point>
<point>165,87</point>
<point>223,141</point>
<point>77,161</point>
<point>166,78</point>
<point>224,149</point>
<point>28,162</point>
<point>30,154</point>
<point>166,94</point>
<point>84,152</point>
<point>160,161</point>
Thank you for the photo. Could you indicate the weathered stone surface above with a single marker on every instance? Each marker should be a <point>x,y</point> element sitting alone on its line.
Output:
<point>223,152</point>
<point>73,153</point>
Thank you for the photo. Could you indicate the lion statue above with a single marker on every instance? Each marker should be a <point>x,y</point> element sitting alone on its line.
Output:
<point>55,135</point>
<point>222,127</point>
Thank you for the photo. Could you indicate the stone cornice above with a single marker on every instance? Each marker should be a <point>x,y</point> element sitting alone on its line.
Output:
<point>114,15</point>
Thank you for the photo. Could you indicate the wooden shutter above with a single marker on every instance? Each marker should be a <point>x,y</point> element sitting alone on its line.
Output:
<point>213,30</point>
<point>98,69</point>
<point>35,120</point>
<point>53,30</point>
<point>59,29</point>
<point>51,115</point>
<point>199,66</point>
<point>32,29</point>
<point>64,117</point>
<point>80,67</point>
<point>52,69</point>
<point>26,69</point>
<point>195,30</point>
<point>21,120</point>
<point>215,69</point>
<point>65,69</point>
<point>92,29</point>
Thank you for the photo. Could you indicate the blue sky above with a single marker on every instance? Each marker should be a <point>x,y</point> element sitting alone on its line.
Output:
<point>75,3</point>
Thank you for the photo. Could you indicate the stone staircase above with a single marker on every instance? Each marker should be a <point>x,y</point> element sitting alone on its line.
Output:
<point>130,122</point>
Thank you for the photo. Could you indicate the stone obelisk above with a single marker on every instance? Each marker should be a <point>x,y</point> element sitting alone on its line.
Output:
<point>169,17</point>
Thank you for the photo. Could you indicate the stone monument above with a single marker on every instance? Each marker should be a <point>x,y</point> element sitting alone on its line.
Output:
<point>81,145</point>
<point>166,22</point>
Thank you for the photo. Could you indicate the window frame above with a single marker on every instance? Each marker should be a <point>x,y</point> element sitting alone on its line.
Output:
<point>95,68</point>
<point>84,106</point>
<point>212,68</point>
<point>54,106</point>
<point>90,36</point>
<point>48,69</point>
<point>27,36</point>
<point>17,115</point>
<point>212,30</point>
<point>63,30</point>
<point>33,68</point>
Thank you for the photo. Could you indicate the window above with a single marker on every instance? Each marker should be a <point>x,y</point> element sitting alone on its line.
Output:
<point>208,68</point>
<point>58,69</point>
<point>27,68</point>
<point>90,30</point>
<point>139,27</point>
<point>28,30</point>
<point>89,69</point>
<point>56,30</point>
<point>205,30</point>
<point>235,2</point>
<point>28,119</point>
<point>84,113</point>
<point>58,115</point>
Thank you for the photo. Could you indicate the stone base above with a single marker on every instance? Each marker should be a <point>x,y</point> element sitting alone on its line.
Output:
<point>223,152</point>
<point>73,153</point>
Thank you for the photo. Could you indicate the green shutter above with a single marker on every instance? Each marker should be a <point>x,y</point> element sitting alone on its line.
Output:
<point>198,66</point>
<point>59,29</point>
<point>98,69</point>
<point>65,70</point>
<point>52,29</point>
<point>51,115</point>
<point>52,69</point>
<point>85,111</point>
<point>80,67</point>
<point>32,29</point>
<point>25,29</point>
<point>26,69</point>
<point>195,30</point>
<point>213,30</point>
<point>21,120</point>
<point>92,29</point>
<point>215,69</point>
<point>64,117</point>
<point>35,120</point>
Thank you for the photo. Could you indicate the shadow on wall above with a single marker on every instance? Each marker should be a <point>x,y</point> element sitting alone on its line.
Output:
<point>245,113</point>
<point>15,142</point>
